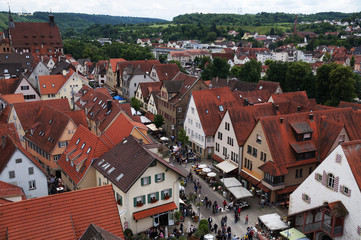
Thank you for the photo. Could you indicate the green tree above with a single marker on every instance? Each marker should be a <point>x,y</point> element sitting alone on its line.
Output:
<point>352,62</point>
<point>135,103</point>
<point>181,68</point>
<point>183,138</point>
<point>323,82</point>
<point>342,85</point>
<point>218,68</point>
<point>276,72</point>
<point>326,57</point>
<point>299,77</point>
<point>158,120</point>
<point>251,71</point>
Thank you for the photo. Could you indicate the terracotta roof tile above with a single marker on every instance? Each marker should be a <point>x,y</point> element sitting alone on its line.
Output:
<point>64,216</point>
<point>98,233</point>
<point>144,65</point>
<point>13,98</point>
<point>114,61</point>
<point>82,136</point>
<point>352,152</point>
<point>8,86</point>
<point>354,106</point>
<point>51,84</point>
<point>166,71</point>
<point>154,211</point>
<point>27,111</point>
<point>10,190</point>
<point>253,97</point>
<point>78,117</point>
<point>148,87</point>
<point>268,85</point>
<point>211,105</point>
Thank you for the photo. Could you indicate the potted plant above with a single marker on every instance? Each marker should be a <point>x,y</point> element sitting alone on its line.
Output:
<point>139,204</point>
<point>153,200</point>
<point>177,216</point>
<point>166,197</point>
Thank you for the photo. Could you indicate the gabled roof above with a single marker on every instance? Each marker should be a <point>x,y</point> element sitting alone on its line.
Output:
<point>92,97</point>
<point>78,117</point>
<point>51,84</point>
<point>268,85</point>
<point>211,105</point>
<point>118,163</point>
<point>252,97</point>
<point>82,140</point>
<point>93,232</point>
<point>119,129</point>
<point>352,152</point>
<point>13,98</point>
<point>64,216</point>
<point>113,62</point>
<point>299,97</point>
<point>143,65</point>
<point>184,88</point>
<point>8,86</point>
<point>148,87</point>
<point>354,106</point>
<point>244,119</point>
<point>10,190</point>
<point>325,125</point>
<point>26,34</point>
<point>50,124</point>
<point>28,111</point>
<point>166,71</point>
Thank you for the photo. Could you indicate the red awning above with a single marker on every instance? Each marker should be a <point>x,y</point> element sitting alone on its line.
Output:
<point>216,158</point>
<point>287,190</point>
<point>263,187</point>
<point>244,175</point>
<point>154,211</point>
<point>253,180</point>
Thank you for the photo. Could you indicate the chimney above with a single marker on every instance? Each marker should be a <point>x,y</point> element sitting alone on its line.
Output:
<point>109,105</point>
<point>3,142</point>
<point>311,116</point>
<point>277,106</point>
<point>64,72</point>
<point>216,79</point>
<point>299,108</point>
<point>281,120</point>
<point>141,141</point>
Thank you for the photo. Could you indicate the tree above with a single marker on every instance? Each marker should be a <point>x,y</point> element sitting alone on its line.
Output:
<point>181,68</point>
<point>158,120</point>
<point>323,82</point>
<point>183,138</point>
<point>326,57</point>
<point>218,68</point>
<point>276,72</point>
<point>135,103</point>
<point>342,85</point>
<point>299,77</point>
<point>352,62</point>
<point>251,71</point>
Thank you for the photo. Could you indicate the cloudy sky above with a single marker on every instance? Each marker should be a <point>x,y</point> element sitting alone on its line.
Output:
<point>167,9</point>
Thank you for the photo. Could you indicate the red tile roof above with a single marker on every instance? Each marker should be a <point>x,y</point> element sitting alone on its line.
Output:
<point>253,97</point>
<point>8,86</point>
<point>26,34</point>
<point>148,87</point>
<point>143,65</point>
<point>95,144</point>
<point>209,104</point>
<point>27,111</point>
<point>299,97</point>
<point>78,117</point>
<point>268,85</point>
<point>13,98</point>
<point>10,190</point>
<point>51,124</point>
<point>287,190</point>
<point>113,62</point>
<point>51,84</point>
<point>352,152</point>
<point>153,211</point>
<point>166,71</point>
<point>354,106</point>
<point>64,216</point>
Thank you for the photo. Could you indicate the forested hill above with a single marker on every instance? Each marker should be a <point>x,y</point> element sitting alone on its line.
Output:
<point>259,18</point>
<point>77,21</point>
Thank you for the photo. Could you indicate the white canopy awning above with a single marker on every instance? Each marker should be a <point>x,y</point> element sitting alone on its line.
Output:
<point>240,192</point>
<point>152,127</point>
<point>226,166</point>
<point>144,120</point>
<point>273,221</point>
<point>231,182</point>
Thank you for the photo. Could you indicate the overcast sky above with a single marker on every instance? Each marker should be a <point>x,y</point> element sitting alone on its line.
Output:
<point>167,9</point>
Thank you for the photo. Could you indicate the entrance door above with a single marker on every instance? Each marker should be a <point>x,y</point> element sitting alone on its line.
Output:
<point>58,173</point>
<point>163,219</point>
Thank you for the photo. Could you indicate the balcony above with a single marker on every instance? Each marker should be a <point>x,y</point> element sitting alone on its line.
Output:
<point>273,186</point>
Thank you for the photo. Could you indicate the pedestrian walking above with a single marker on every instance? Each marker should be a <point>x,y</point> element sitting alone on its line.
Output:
<point>224,204</point>
<point>185,161</point>
<point>246,221</point>
<point>215,226</point>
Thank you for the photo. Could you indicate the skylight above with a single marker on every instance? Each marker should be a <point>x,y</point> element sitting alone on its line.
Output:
<point>95,99</point>
<point>111,170</point>
<point>107,113</point>
<point>53,85</point>
<point>100,102</point>
<point>259,100</point>
<point>44,86</point>
<point>240,96</point>
<point>221,108</point>
<point>82,146</point>
<point>89,149</point>
<point>207,111</point>
<point>218,97</point>
<point>77,141</point>
<point>101,161</point>
<point>105,166</point>
<point>51,120</point>
<point>260,87</point>
<point>119,177</point>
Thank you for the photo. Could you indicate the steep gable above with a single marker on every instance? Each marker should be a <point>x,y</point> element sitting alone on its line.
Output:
<point>352,152</point>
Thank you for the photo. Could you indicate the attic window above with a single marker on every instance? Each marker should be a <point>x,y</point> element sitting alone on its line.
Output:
<point>100,102</point>
<point>40,132</point>
<point>44,86</point>
<point>259,100</point>
<point>89,149</point>
<point>111,170</point>
<point>119,177</point>
<point>207,111</point>
<point>95,99</point>
<point>218,97</point>
<point>107,113</point>
<point>104,106</point>
<point>82,146</point>
<point>101,161</point>
<point>260,87</point>
<point>52,85</point>
<point>51,120</point>
<point>49,138</point>
<point>77,141</point>
<point>240,96</point>
<point>221,108</point>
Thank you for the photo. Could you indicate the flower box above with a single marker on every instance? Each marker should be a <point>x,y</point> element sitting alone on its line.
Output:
<point>166,197</point>
<point>139,204</point>
<point>153,200</point>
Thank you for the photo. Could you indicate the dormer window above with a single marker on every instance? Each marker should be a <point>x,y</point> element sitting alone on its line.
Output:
<point>50,121</point>
<point>221,108</point>
<point>307,136</point>
<point>44,86</point>
<point>218,97</point>
<point>82,146</point>
<point>77,141</point>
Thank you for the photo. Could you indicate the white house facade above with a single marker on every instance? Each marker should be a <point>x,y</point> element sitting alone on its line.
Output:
<point>30,94</point>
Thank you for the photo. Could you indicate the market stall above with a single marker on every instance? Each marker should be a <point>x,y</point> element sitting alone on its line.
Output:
<point>270,225</point>
<point>293,234</point>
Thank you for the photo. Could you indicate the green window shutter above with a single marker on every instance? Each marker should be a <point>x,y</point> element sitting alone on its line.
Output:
<point>170,192</point>
<point>162,195</point>
<point>149,180</point>
<point>142,181</point>
<point>148,198</point>
<point>155,178</point>
<point>163,178</point>
<point>143,199</point>
<point>157,195</point>
<point>121,200</point>
<point>135,201</point>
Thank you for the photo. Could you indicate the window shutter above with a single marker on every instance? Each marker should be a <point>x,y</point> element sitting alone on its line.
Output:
<point>170,192</point>
<point>149,180</point>
<point>335,187</point>
<point>316,177</point>
<point>143,199</point>
<point>162,195</point>
<point>59,144</point>
<point>155,178</point>
<point>163,176</point>
<point>349,193</point>
<point>135,202</point>
<point>338,158</point>
<point>157,195</point>
<point>142,181</point>
<point>309,199</point>
<point>324,178</point>
<point>121,200</point>
<point>148,198</point>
